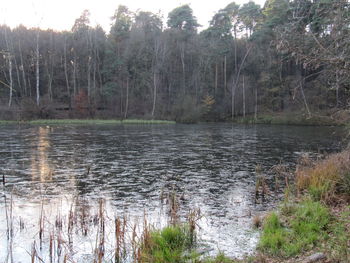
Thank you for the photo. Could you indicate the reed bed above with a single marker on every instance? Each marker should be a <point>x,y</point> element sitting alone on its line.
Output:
<point>86,233</point>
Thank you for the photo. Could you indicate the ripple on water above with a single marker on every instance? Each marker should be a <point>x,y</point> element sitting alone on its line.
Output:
<point>212,167</point>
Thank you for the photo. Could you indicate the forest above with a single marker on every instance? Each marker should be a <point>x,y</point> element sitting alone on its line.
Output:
<point>288,55</point>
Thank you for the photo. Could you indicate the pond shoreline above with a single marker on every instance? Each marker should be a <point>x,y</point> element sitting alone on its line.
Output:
<point>312,222</point>
<point>85,122</point>
<point>335,118</point>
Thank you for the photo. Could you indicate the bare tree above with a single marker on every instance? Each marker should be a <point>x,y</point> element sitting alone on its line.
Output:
<point>37,74</point>
<point>9,59</point>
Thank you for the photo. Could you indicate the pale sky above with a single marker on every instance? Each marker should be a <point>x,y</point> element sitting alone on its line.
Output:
<point>61,14</point>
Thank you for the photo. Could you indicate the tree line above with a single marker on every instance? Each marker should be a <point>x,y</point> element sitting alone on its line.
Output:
<point>287,55</point>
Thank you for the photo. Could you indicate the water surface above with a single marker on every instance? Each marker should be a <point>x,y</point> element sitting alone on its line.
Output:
<point>211,166</point>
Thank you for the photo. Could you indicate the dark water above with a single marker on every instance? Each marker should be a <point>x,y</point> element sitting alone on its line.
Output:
<point>212,166</point>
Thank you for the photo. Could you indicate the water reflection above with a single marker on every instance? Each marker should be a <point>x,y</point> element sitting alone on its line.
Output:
<point>41,169</point>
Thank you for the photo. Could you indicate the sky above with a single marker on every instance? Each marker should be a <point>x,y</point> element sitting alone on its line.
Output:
<point>61,14</point>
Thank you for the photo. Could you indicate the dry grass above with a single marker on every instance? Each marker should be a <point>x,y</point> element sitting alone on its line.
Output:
<point>328,179</point>
<point>257,221</point>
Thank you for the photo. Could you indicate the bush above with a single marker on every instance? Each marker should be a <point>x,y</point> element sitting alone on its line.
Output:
<point>187,111</point>
<point>30,110</point>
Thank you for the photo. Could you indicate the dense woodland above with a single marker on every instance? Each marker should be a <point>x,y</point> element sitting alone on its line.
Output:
<point>284,56</point>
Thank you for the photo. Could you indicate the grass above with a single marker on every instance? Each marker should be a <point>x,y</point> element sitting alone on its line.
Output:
<point>320,221</point>
<point>297,233</point>
<point>168,245</point>
<point>327,180</point>
<point>87,122</point>
<point>5,122</point>
<point>338,240</point>
<point>220,258</point>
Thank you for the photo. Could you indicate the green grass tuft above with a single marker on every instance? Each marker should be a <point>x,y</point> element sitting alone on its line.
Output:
<point>300,232</point>
<point>167,246</point>
<point>220,258</point>
<point>337,243</point>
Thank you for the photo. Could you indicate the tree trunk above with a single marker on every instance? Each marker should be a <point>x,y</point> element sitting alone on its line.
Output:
<point>50,77</point>
<point>89,80</point>
<point>243,93</point>
<point>216,78</point>
<point>127,98</point>
<point>17,74</point>
<point>235,47</point>
<point>66,69</point>
<point>11,81</point>
<point>99,71</point>
<point>235,82</point>
<point>75,75</point>
<point>303,95</point>
<point>169,97</point>
<point>256,104</point>
<point>94,79</point>
<point>9,58</point>
<point>30,87</point>
<point>37,70</point>
<point>50,67</point>
<point>22,69</point>
<point>154,93</point>
<point>121,100</point>
<point>182,54</point>
<point>225,75</point>
<point>89,66</point>
<point>233,89</point>
<point>337,81</point>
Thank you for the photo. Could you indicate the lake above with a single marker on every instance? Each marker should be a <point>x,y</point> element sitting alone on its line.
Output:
<point>52,170</point>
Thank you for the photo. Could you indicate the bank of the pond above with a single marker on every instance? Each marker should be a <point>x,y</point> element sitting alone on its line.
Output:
<point>312,223</point>
<point>322,118</point>
<point>339,118</point>
<point>86,122</point>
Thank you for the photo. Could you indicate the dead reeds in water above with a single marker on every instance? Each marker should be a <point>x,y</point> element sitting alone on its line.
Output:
<point>261,187</point>
<point>63,237</point>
